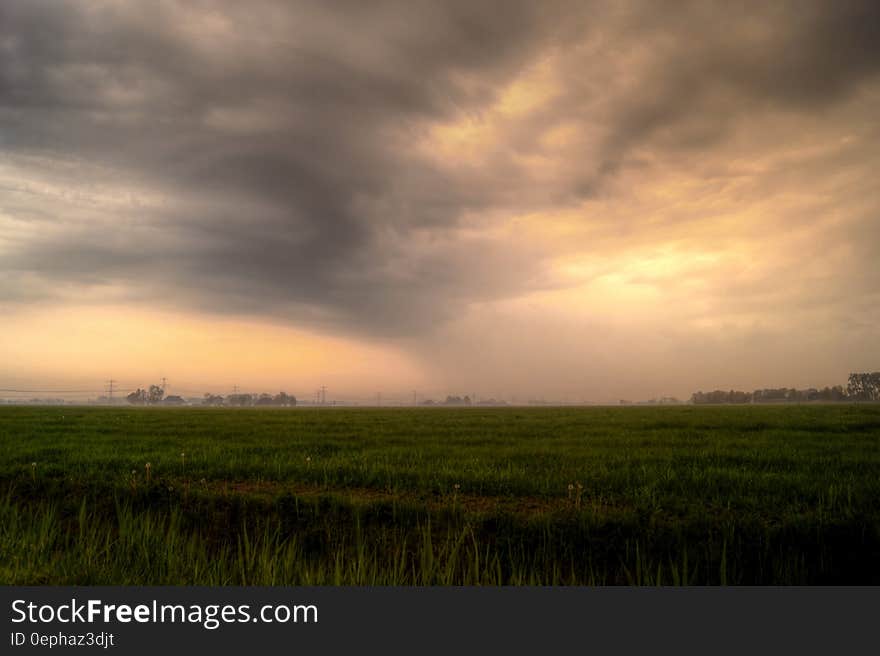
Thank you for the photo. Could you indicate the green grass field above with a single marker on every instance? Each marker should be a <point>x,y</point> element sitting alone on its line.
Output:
<point>545,496</point>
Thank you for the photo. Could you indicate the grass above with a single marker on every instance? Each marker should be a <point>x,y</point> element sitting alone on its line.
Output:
<point>544,496</point>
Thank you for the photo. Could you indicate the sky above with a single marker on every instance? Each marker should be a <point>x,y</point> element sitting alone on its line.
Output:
<point>577,201</point>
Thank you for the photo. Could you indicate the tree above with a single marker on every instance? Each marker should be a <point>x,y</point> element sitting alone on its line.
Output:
<point>155,394</point>
<point>284,399</point>
<point>864,387</point>
<point>138,397</point>
<point>837,393</point>
<point>240,400</point>
<point>770,395</point>
<point>720,396</point>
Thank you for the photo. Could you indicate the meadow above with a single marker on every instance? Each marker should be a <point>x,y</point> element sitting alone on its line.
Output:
<point>749,495</point>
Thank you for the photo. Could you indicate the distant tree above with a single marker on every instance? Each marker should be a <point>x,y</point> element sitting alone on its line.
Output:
<point>720,396</point>
<point>283,399</point>
<point>138,397</point>
<point>155,394</point>
<point>264,399</point>
<point>864,387</point>
<point>837,393</point>
<point>213,399</point>
<point>240,400</point>
<point>793,395</point>
<point>770,395</point>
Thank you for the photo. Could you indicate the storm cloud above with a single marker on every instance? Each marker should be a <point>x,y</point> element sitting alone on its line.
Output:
<point>385,170</point>
<point>265,150</point>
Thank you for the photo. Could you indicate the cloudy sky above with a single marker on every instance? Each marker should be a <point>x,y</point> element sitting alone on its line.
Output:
<point>567,200</point>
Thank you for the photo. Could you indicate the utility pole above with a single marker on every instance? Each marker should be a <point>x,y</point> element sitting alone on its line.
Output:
<point>110,384</point>
<point>323,395</point>
<point>163,384</point>
<point>379,399</point>
<point>415,397</point>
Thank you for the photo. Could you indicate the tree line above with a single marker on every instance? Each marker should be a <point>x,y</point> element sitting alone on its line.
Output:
<point>282,399</point>
<point>153,395</point>
<point>859,387</point>
<point>156,395</point>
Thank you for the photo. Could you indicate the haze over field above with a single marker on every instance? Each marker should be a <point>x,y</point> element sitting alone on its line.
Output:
<point>563,199</point>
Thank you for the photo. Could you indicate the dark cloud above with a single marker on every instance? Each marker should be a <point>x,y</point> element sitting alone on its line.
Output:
<point>679,77</point>
<point>277,141</point>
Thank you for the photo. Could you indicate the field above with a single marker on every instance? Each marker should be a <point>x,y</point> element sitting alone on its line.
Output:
<point>543,496</point>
